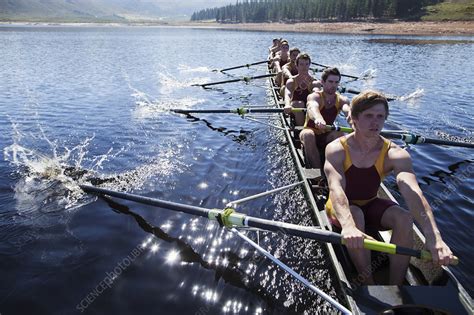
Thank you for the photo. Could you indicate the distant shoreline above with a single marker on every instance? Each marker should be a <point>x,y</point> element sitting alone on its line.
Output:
<point>452,28</point>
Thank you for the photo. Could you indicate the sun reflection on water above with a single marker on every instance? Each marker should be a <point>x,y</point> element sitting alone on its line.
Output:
<point>203,185</point>
<point>172,257</point>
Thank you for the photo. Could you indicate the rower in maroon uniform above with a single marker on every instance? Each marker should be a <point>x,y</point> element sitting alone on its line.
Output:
<point>281,58</point>
<point>322,109</point>
<point>299,87</point>
<point>355,166</point>
<point>289,69</point>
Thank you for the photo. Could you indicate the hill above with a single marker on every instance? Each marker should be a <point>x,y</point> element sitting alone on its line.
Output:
<point>454,10</point>
<point>100,10</point>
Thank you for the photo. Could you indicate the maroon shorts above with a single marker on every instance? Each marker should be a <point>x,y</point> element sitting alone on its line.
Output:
<point>322,141</point>
<point>373,212</point>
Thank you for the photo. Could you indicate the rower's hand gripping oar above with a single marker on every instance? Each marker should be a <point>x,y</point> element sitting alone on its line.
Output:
<point>241,66</point>
<point>408,138</point>
<point>229,218</point>
<point>245,79</point>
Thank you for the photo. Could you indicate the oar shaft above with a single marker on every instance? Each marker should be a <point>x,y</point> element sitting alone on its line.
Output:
<point>241,220</point>
<point>343,75</point>
<point>416,139</point>
<point>202,212</point>
<point>219,82</point>
<point>246,79</point>
<point>243,66</point>
<point>237,219</point>
<point>354,91</point>
<point>311,286</point>
<point>240,111</point>
<point>319,65</point>
<point>407,137</point>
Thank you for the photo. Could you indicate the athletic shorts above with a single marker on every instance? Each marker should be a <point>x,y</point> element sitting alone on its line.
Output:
<point>373,212</point>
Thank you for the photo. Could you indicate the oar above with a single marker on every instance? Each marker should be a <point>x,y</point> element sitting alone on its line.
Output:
<point>229,218</point>
<point>242,66</point>
<point>409,138</point>
<point>343,89</point>
<point>246,79</point>
<point>240,111</point>
<point>342,74</point>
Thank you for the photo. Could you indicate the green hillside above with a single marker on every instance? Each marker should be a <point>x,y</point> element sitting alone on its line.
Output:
<point>461,10</point>
<point>258,11</point>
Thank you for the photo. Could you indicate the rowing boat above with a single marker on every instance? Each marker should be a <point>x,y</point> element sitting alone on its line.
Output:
<point>427,289</point>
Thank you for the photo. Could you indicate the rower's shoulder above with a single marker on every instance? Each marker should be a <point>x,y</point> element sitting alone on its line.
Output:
<point>396,152</point>
<point>344,99</point>
<point>334,149</point>
<point>314,95</point>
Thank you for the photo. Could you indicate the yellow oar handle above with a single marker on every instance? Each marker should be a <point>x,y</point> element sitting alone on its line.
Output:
<point>298,110</point>
<point>394,249</point>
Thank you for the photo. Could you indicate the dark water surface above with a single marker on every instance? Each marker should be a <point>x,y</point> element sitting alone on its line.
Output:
<point>98,99</point>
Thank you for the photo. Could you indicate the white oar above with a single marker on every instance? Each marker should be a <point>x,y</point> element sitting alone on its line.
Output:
<point>308,174</point>
<point>262,194</point>
<point>308,284</point>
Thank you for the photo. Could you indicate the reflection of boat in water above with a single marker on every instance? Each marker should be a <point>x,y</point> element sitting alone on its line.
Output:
<point>427,289</point>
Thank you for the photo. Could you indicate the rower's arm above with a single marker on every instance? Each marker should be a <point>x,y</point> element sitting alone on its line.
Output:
<point>346,106</point>
<point>346,109</point>
<point>312,106</point>
<point>407,184</point>
<point>285,74</point>
<point>289,92</point>
<point>334,170</point>
<point>286,71</point>
<point>276,65</point>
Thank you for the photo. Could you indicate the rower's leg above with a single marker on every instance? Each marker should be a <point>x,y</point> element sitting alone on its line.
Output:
<point>401,222</point>
<point>308,138</point>
<point>279,78</point>
<point>361,257</point>
<point>282,91</point>
<point>299,117</point>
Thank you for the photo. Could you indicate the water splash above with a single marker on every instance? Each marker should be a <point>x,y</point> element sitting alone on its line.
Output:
<point>188,69</point>
<point>368,74</point>
<point>146,109</point>
<point>169,83</point>
<point>49,182</point>
<point>412,96</point>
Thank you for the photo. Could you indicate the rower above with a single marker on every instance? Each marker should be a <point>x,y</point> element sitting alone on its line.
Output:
<point>274,49</point>
<point>322,109</point>
<point>299,87</point>
<point>289,69</point>
<point>281,58</point>
<point>355,166</point>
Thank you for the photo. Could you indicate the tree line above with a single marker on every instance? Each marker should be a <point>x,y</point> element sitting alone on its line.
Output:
<point>246,11</point>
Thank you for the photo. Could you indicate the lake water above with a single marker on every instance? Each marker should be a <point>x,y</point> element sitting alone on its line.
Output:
<point>98,98</point>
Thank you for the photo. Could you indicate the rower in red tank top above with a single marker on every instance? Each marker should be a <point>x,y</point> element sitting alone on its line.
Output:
<point>323,108</point>
<point>364,196</point>
<point>355,166</point>
<point>299,87</point>
<point>281,58</point>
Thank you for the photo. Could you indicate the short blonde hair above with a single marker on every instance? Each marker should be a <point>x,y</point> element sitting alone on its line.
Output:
<point>366,100</point>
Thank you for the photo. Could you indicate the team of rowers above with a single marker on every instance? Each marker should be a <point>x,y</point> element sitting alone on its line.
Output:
<point>355,164</point>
